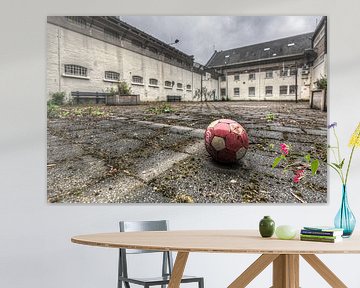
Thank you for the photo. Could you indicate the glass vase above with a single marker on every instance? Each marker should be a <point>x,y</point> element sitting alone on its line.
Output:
<point>345,219</point>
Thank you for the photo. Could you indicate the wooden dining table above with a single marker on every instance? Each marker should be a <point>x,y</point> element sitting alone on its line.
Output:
<point>283,254</point>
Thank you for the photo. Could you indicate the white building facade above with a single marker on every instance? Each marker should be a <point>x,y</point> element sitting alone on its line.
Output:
<point>92,54</point>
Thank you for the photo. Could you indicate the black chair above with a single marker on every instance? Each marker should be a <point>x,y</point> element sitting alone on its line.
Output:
<point>167,265</point>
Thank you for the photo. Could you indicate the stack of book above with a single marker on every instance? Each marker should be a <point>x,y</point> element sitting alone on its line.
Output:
<point>321,234</point>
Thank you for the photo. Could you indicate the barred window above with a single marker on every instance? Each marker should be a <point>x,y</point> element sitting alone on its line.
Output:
<point>111,34</point>
<point>236,77</point>
<point>251,91</point>
<point>75,70</point>
<point>269,74</point>
<point>76,20</point>
<point>188,87</point>
<point>153,81</point>
<point>292,89</point>
<point>268,90</point>
<point>252,76</point>
<point>168,84</point>
<point>236,91</point>
<point>222,91</point>
<point>137,79</point>
<point>179,85</point>
<point>283,90</point>
<point>111,75</point>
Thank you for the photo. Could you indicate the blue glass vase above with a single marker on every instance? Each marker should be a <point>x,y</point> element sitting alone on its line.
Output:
<point>345,219</point>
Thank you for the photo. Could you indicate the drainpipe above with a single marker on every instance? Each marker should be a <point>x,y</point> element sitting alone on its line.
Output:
<point>296,82</point>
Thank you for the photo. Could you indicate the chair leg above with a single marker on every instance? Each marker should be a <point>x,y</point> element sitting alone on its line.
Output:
<point>201,283</point>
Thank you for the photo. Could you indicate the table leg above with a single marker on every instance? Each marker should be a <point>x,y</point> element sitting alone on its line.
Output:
<point>178,270</point>
<point>286,271</point>
<point>253,270</point>
<point>324,271</point>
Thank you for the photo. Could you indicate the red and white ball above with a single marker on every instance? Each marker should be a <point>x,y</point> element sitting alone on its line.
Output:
<point>226,140</point>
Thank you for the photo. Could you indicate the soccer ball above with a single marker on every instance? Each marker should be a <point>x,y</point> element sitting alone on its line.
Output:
<point>226,141</point>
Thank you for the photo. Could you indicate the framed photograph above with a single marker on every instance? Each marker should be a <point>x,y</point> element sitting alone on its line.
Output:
<point>187,109</point>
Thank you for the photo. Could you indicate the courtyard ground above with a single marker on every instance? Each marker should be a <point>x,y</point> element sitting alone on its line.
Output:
<point>155,153</point>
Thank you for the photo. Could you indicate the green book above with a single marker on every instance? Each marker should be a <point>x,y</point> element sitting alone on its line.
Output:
<point>319,236</point>
<point>324,228</point>
<point>325,240</point>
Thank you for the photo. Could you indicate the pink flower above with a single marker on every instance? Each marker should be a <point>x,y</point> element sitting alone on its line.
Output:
<point>284,149</point>
<point>298,175</point>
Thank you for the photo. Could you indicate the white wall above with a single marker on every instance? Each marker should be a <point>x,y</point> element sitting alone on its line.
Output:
<point>35,248</point>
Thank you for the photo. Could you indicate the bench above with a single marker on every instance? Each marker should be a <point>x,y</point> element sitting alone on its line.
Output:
<point>89,97</point>
<point>173,98</point>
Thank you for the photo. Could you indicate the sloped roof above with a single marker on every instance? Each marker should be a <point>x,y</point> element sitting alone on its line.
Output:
<point>262,51</point>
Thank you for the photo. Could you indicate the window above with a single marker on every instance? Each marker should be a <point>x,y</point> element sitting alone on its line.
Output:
<point>285,72</point>
<point>137,79</point>
<point>110,34</point>
<point>236,91</point>
<point>268,90</point>
<point>293,71</point>
<point>251,91</point>
<point>188,87</point>
<point>252,76</point>
<point>236,77</point>
<point>269,74</point>
<point>168,84</point>
<point>111,75</point>
<point>292,89</point>
<point>283,90</point>
<point>75,70</point>
<point>76,20</point>
<point>222,78</point>
<point>223,92</point>
<point>179,85</point>
<point>153,81</point>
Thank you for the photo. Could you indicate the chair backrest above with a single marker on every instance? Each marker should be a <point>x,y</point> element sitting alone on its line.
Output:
<point>134,226</point>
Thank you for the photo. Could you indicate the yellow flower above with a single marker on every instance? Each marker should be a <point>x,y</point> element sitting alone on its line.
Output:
<point>355,138</point>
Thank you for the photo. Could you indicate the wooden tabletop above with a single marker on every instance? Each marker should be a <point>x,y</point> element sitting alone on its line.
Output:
<point>220,241</point>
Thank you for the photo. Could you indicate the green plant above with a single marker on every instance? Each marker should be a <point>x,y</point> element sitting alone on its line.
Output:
<point>162,108</point>
<point>270,117</point>
<point>321,83</point>
<point>58,98</point>
<point>52,109</point>
<point>123,88</point>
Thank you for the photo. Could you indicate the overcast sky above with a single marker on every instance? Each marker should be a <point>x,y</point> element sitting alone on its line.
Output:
<point>201,35</point>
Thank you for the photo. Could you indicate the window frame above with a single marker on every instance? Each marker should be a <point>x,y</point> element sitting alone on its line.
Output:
<point>252,76</point>
<point>295,89</point>
<point>236,77</point>
<point>267,88</point>
<point>111,79</point>
<point>252,88</point>
<point>168,86</point>
<point>236,91</point>
<point>188,87</point>
<point>267,72</point>
<point>155,82</point>
<point>282,87</point>
<point>137,77</point>
<point>75,71</point>
<point>179,86</point>
<point>221,92</point>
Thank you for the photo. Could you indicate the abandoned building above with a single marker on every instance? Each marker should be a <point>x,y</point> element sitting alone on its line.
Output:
<point>92,54</point>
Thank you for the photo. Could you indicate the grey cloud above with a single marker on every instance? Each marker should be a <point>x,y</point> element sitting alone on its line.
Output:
<point>200,35</point>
